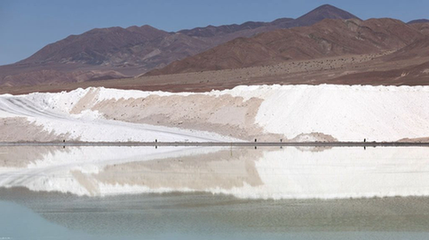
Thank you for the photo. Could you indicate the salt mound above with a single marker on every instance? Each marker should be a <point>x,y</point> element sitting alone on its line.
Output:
<point>299,113</point>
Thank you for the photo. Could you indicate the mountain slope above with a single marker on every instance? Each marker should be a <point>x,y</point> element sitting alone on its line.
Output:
<point>135,50</point>
<point>95,46</point>
<point>323,12</point>
<point>126,52</point>
<point>324,39</point>
<point>418,48</point>
<point>422,27</point>
<point>118,47</point>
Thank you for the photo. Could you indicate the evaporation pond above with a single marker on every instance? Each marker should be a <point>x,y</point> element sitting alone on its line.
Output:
<point>213,193</point>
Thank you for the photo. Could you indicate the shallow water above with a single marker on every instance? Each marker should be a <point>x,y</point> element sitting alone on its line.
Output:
<point>216,203</point>
<point>197,216</point>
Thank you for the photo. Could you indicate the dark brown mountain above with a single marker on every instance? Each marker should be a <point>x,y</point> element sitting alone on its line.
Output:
<point>323,12</point>
<point>97,46</point>
<point>118,52</point>
<point>131,50</point>
<point>327,38</point>
<point>225,33</point>
<point>211,31</point>
<point>127,52</point>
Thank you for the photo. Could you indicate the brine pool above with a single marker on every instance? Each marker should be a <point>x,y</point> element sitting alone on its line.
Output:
<point>214,193</point>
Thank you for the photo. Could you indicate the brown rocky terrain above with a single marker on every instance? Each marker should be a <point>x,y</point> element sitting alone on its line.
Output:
<point>117,52</point>
<point>416,49</point>
<point>97,46</point>
<point>327,38</point>
<point>375,51</point>
<point>366,69</point>
<point>248,29</point>
<point>422,27</point>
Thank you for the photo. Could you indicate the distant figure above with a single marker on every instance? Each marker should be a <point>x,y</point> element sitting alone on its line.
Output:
<point>256,140</point>
<point>364,140</point>
<point>281,140</point>
<point>156,140</point>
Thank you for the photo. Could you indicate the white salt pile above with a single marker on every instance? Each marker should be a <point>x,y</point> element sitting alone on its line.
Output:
<point>323,112</point>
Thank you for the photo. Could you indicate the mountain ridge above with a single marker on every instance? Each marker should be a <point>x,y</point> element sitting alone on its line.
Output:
<point>327,38</point>
<point>135,50</point>
<point>418,21</point>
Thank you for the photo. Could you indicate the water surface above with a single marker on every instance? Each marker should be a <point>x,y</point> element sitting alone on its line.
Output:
<point>213,193</point>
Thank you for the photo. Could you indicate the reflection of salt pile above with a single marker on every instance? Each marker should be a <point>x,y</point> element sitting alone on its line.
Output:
<point>306,113</point>
<point>72,169</point>
<point>245,173</point>
<point>340,173</point>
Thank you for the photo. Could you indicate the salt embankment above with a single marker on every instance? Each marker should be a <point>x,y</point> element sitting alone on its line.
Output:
<point>269,113</point>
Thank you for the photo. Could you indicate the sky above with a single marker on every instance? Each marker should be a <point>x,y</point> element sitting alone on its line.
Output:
<point>28,25</point>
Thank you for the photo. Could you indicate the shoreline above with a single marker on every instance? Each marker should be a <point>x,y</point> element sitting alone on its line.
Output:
<point>221,144</point>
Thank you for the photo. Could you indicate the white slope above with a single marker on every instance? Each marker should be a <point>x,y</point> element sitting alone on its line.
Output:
<point>347,113</point>
<point>52,112</point>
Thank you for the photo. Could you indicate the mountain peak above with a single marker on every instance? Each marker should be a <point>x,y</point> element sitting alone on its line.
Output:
<point>325,11</point>
<point>326,6</point>
<point>419,21</point>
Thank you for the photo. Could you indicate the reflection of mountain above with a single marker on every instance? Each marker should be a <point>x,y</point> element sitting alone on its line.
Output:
<point>267,173</point>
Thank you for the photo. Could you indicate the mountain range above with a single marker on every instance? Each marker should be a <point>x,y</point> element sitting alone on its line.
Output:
<point>327,38</point>
<point>118,53</point>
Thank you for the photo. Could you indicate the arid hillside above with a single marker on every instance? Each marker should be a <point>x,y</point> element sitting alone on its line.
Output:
<point>339,49</point>
<point>422,27</point>
<point>327,38</point>
<point>116,52</point>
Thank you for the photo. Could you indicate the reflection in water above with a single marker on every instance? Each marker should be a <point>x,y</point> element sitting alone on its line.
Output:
<point>264,173</point>
<point>95,179</point>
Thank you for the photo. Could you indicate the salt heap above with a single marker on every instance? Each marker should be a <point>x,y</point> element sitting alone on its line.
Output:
<point>293,112</point>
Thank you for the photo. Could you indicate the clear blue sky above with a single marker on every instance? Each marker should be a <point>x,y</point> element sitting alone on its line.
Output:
<point>28,25</point>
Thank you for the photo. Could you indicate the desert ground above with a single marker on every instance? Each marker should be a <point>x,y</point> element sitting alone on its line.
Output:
<point>367,69</point>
